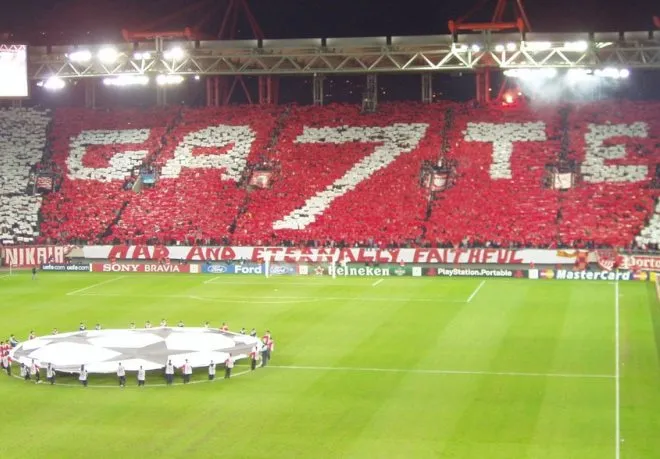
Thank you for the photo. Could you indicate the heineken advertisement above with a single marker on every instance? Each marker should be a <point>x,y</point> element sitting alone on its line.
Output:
<point>360,270</point>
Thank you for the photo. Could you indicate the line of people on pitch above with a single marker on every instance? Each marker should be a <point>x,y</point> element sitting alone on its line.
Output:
<point>186,372</point>
<point>259,353</point>
<point>13,342</point>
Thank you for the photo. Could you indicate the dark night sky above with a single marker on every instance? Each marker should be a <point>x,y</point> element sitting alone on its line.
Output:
<point>310,18</point>
<point>69,22</point>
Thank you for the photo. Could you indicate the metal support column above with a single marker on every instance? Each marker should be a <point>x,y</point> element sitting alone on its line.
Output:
<point>370,96</point>
<point>217,95</point>
<point>161,96</point>
<point>90,93</point>
<point>268,90</point>
<point>209,91</point>
<point>427,88</point>
<point>16,103</point>
<point>317,89</point>
<point>487,88</point>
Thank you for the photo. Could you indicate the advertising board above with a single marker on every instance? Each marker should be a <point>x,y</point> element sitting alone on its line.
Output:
<point>310,255</point>
<point>144,268</point>
<point>67,267</point>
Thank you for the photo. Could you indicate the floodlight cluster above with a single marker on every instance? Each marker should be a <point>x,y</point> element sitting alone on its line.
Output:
<point>109,55</point>
<point>169,80</point>
<point>573,74</point>
<point>52,84</point>
<point>126,80</point>
<point>528,46</point>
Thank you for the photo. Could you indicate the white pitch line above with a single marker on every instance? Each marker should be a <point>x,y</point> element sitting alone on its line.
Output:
<point>476,290</point>
<point>257,298</point>
<point>377,282</point>
<point>211,280</point>
<point>446,372</point>
<point>617,372</point>
<point>84,289</point>
<point>310,283</point>
<point>147,385</point>
<point>5,275</point>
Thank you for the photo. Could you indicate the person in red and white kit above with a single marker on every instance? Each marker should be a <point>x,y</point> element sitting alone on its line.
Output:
<point>225,327</point>
<point>6,363</point>
<point>34,371</point>
<point>187,372</point>
<point>229,365</point>
<point>267,340</point>
<point>4,351</point>
<point>270,347</point>
<point>254,357</point>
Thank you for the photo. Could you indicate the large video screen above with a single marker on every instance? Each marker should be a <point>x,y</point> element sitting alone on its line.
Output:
<point>13,71</point>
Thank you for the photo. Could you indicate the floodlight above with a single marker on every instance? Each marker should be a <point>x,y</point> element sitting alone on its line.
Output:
<point>459,48</point>
<point>537,45</point>
<point>475,48</point>
<point>196,77</point>
<point>82,55</point>
<point>499,48</point>
<point>624,73</point>
<point>174,54</point>
<point>107,55</point>
<point>142,55</point>
<point>511,47</point>
<point>531,74</point>
<point>165,80</point>
<point>53,84</point>
<point>127,80</point>
<point>608,72</point>
<point>548,72</point>
<point>578,74</point>
<point>578,46</point>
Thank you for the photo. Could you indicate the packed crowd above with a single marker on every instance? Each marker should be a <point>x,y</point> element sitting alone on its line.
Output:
<point>339,177</point>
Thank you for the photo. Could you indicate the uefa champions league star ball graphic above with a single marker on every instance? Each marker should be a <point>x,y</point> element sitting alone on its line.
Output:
<point>102,350</point>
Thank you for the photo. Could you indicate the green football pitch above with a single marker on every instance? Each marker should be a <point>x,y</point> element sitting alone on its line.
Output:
<point>363,368</point>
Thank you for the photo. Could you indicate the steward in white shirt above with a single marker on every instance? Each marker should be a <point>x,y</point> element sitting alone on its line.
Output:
<point>121,375</point>
<point>50,374</point>
<point>141,376</point>
<point>211,371</point>
<point>229,364</point>
<point>169,373</point>
<point>83,376</point>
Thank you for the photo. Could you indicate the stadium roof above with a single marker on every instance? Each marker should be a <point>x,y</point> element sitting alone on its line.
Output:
<point>67,21</point>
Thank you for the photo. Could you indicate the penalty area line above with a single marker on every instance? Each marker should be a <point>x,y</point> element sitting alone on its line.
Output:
<point>84,289</point>
<point>476,290</point>
<point>377,282</point>
<point>445,372</point>
<point>283,299</point>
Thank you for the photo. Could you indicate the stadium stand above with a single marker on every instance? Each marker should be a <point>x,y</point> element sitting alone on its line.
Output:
<point>334,175</point>
<point>498,197</point>
<point>22,146</point>
<point>205,160</point>
<point>347,177</point>
<point>98,151</point>
<point>618,145</point>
